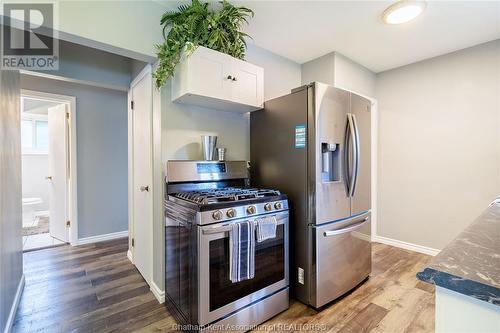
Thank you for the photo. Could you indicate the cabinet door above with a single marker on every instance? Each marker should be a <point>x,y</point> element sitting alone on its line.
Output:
<point>208,74</point>
<point>247,83</point>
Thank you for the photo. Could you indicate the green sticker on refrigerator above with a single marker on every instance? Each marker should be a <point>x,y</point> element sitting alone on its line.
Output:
<point>300,136</point>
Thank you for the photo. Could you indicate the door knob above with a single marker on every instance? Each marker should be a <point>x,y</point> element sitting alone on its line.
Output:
<point>144,188</point>
<point>48,177</point>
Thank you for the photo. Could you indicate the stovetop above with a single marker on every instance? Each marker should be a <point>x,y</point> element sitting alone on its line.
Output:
<point>226,195</point>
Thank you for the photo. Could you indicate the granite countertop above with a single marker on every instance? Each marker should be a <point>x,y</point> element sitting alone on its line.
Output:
<point>470,264</point>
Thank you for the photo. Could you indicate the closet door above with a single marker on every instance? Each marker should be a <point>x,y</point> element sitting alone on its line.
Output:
<point>141,172</point>
<point>58,169</point>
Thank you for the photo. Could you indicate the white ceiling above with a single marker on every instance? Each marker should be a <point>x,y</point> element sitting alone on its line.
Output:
<point>305,30</point>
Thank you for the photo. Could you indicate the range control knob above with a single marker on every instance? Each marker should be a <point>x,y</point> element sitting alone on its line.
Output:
<point>268,207</point>
<point>278,205</point>
<point>251,210</point>
<point>231,213</point>
<point>217,215</point>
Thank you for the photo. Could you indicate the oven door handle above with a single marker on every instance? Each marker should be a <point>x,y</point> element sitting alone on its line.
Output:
<point>227,227</point>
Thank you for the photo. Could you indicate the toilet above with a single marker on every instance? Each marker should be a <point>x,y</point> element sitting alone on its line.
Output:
<point>29,209</point>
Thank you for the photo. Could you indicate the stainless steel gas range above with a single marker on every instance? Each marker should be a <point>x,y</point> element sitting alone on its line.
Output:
<point>204,199</point>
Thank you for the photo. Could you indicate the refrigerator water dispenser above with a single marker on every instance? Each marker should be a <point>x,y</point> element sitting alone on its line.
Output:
<point>330,171</point>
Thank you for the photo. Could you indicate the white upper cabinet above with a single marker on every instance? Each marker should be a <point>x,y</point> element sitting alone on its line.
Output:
<point>216,80</point>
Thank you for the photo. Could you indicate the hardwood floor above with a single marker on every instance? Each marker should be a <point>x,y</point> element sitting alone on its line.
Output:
<point>94,288</point>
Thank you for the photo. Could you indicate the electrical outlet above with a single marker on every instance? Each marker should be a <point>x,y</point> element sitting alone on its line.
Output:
<point>301,276</point>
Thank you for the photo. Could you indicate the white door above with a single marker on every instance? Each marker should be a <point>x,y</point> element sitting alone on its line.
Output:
<point>58,172</point>
<point>247,83</point>
<point>142,174</point>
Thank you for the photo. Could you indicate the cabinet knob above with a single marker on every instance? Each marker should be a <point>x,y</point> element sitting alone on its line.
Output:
<point>144,188</point>
<point>229,77</point>
<point>234,78</point>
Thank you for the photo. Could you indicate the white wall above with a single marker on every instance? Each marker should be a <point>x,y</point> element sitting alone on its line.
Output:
<point>130,25</point>
<point>35,167</point>
<point>339,71</point>
<point>184,125</point>
<point>439,149</point>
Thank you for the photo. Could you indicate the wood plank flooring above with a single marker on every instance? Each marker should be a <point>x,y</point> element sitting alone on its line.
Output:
<point>94,288</point>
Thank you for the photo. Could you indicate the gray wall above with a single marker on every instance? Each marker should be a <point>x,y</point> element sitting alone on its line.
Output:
<point>101,152</point>
<point>321,69</point>
<point>88,64</point>
<point>439,148</point>
<point>338,70</point>
<point>354,77</point>
<point>11,258</point>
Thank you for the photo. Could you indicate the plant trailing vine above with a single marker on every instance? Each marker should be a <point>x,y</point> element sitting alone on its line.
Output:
<point>195,24</point>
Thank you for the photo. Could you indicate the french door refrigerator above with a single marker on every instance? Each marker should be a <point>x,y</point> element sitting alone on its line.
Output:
<point>314,145</point>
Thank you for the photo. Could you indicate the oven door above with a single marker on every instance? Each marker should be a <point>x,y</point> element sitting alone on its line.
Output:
<point>218,296</point>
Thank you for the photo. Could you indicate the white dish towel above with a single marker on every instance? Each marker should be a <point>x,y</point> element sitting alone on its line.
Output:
<point>266,228</point>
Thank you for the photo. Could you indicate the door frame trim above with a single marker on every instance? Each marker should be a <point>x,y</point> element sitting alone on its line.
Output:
<point>70,101</point>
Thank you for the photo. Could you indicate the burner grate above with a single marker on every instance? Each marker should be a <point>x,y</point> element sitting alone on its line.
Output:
<point>227,194</point>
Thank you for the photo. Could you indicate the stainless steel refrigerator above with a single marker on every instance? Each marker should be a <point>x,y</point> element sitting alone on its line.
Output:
<point>314,145</point>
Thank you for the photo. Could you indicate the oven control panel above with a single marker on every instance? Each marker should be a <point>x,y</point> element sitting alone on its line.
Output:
<point>238,212</point>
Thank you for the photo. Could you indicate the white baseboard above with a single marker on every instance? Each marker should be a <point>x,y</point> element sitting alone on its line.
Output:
<point>130,256</point>
<point>404,245</point>
<point>102,238</point>
<point>159,294</point>
<point>15,304</point>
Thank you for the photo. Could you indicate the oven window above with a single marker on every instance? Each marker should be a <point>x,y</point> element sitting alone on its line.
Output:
<point>269,268</point>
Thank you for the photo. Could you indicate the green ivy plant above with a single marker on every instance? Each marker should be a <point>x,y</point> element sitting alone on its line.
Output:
<point>196,24</point>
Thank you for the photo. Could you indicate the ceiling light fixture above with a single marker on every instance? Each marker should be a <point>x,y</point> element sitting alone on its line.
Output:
<point>403,11</point>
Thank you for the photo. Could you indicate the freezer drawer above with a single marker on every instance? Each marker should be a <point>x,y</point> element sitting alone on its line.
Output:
<point>342,260</point>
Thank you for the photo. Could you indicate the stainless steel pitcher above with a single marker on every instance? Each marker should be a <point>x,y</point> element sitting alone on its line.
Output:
<point>208,144</point>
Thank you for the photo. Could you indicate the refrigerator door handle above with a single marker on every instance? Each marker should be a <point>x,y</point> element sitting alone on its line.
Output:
<point>346,157</point>
<point>345,230</point>
<point>356,149</point>
<point>349,146</point>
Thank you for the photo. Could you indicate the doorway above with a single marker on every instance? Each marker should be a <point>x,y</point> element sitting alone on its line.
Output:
<point>47,169</point>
